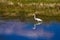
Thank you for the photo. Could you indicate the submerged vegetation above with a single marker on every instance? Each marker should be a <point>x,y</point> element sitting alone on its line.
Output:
<point>24,9</point>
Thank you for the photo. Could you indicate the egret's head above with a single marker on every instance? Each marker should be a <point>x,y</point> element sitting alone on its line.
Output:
<point>33,14</point>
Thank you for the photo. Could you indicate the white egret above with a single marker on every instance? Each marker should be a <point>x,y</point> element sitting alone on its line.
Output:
<point>38,20</point>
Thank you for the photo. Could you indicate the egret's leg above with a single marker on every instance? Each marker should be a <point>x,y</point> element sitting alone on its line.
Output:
<point>34,26</point>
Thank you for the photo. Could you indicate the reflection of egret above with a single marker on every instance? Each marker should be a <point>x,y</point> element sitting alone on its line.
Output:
<point>38,20</point>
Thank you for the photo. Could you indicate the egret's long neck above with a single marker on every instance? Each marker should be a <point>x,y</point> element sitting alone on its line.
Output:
<point>34,16</point>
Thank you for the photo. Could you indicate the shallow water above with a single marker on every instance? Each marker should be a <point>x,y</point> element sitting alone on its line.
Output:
<point>16,30</point>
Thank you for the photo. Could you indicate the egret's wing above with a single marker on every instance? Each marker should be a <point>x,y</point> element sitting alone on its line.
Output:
<point>38,19</point>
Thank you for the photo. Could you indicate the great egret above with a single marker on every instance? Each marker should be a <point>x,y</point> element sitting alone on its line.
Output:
<point>38,20</point>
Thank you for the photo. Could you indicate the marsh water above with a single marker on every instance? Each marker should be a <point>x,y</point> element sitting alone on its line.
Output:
<point>17,30</point>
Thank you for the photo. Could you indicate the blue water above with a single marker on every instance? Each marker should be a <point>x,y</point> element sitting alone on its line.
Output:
<point>16,30</point>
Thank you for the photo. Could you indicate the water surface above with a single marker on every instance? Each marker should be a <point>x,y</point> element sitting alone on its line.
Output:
<point>16,30</point>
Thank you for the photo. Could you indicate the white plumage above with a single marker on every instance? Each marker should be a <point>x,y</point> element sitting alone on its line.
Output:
<point>37,19</point>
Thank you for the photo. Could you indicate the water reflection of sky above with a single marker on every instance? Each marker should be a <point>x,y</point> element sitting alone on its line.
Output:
<point>15,30</point>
